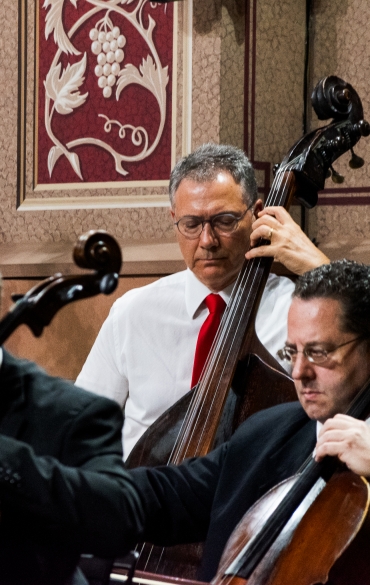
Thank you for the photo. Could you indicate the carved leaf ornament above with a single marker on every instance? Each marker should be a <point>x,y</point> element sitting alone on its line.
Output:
<point>65,79</point>
<point>153,79</point>
<point>62,87</point>
<point>54,25</point>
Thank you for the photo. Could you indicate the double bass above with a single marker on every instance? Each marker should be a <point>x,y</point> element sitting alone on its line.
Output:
<point>238,367</point>
<point>239,376</point>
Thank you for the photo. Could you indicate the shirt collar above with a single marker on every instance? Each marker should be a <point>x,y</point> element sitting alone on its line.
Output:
<point>196,292</point>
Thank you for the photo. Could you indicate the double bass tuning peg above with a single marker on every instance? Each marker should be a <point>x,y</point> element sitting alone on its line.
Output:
<point>335,176</point>
<point>356,161</point>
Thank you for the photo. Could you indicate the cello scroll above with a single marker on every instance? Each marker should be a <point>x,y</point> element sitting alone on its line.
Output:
<point>96,250</point>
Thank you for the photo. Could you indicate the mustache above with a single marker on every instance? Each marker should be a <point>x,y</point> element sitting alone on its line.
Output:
<point>210,256</point>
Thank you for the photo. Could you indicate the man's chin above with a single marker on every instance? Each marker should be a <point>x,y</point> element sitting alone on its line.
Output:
<point>213,275</point>
<point>314,410</point>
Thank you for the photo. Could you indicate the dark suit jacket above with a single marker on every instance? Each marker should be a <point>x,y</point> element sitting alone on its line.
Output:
<point>63,490</point>
<point>61,477</point>
<point>204,499</point>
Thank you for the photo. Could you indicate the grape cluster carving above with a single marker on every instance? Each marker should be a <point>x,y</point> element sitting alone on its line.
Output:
<point>107,44</point>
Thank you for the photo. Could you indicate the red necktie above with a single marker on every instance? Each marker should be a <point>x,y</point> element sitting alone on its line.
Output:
<point>216,306</point>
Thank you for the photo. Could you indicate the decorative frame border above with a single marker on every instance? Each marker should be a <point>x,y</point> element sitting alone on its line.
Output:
<point>182,81</point>
<point>250,57</point>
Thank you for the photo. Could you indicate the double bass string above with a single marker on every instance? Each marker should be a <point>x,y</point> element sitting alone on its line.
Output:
<point>251,273</point>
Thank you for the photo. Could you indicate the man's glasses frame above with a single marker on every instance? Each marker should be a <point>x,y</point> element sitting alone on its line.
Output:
<point>314,354</point>
<point>222,224</point>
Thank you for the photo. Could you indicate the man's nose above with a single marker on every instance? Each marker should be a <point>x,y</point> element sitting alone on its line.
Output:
<point>208,238</point>
<point>302,367</point>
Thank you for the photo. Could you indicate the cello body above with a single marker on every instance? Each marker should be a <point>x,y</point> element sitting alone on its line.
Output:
<point>319,540</point>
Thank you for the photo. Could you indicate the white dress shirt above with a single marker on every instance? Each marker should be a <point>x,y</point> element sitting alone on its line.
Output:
<point>143,356</point>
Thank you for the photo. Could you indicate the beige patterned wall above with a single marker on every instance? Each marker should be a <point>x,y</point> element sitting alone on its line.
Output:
<point>340,45</point>
<point>232,73</point>
<point>9,227</point>
<point>206,72</point>
<point>279,77</point>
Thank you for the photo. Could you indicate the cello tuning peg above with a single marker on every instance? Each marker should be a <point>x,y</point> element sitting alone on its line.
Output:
<point>356,161</point>
<point>336,177</point>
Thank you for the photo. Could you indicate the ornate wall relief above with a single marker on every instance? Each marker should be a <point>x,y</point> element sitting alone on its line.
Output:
<point>273,87</point>
<point>105,103</point>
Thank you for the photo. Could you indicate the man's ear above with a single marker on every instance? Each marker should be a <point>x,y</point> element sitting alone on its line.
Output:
<point>258,206</point>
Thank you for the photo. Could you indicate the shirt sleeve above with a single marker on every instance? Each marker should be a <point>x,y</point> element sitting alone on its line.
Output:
<point>272,316</point>
<point>104,371</point>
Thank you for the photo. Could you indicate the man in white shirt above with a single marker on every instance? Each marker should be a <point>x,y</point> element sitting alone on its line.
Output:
<point>143,356</point>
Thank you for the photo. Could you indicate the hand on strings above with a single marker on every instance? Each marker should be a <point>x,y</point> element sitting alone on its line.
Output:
<point>288,243</point>
<point>349,440</point>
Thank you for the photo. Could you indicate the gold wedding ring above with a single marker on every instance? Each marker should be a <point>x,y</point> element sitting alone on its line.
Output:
<point>270,234</point>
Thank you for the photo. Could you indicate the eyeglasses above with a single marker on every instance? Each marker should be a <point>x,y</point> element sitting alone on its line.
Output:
<point>315,355</point>
<point>222,224</point>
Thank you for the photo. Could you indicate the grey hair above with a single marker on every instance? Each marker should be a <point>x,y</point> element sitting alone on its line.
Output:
<point>207,161</point>
<point>345,281</point>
